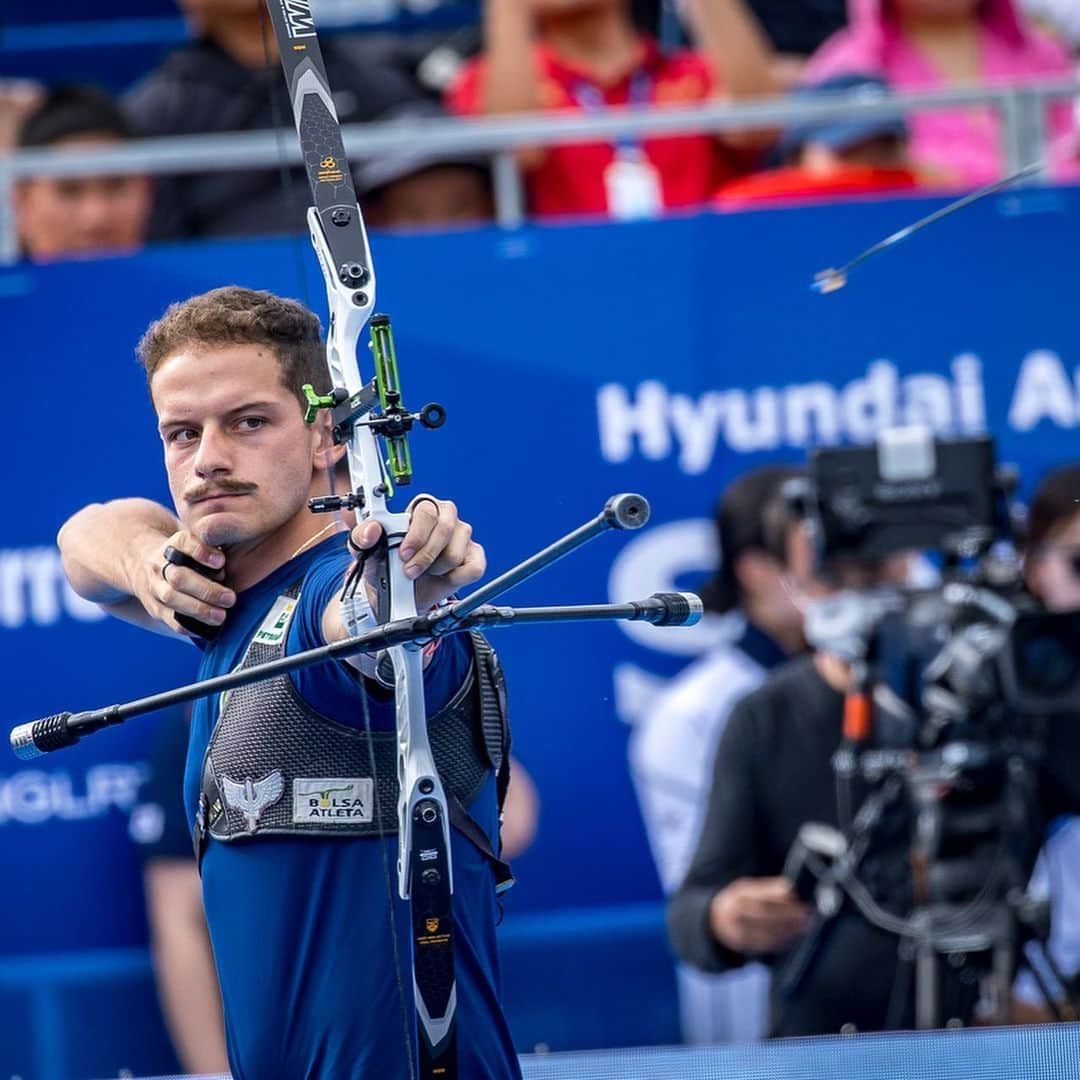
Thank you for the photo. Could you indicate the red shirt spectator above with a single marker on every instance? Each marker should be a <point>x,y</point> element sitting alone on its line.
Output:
<point>571,179</point>
<point>796,183</point>
<point>836,159</point>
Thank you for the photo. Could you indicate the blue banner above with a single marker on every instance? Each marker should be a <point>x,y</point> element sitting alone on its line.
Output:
<point>574,362</point>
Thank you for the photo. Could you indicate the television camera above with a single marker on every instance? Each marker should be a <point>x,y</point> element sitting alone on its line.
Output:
<point>961,696</point>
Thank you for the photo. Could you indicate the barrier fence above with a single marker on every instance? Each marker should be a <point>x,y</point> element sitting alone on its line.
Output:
<point>1022,110</point>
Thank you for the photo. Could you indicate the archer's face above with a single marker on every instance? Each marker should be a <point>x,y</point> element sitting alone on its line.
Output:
<point>239,456</point>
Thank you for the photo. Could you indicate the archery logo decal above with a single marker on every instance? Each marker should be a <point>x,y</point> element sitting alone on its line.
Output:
<point>330,171</point>
<point>298,18</point>
<point>252,797</point>
<point>332,800</point>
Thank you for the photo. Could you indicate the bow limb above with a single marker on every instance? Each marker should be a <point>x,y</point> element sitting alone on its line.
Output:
<point>363,414</point>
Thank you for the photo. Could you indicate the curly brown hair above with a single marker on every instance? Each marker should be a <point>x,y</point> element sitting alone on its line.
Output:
<point>236,316</point>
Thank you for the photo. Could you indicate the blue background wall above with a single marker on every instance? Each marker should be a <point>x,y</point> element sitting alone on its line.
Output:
<point>574,362</point>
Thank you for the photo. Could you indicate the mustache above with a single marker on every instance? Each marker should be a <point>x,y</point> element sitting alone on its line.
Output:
<point>222,487</point>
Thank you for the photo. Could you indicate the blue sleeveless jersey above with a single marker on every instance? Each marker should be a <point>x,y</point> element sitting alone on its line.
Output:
<point>311,942</point>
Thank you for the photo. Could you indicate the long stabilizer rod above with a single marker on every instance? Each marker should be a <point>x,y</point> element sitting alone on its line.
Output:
<point>620,512</point>
<point>37,737</point>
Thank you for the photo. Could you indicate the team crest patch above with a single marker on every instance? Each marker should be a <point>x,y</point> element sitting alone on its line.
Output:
<point>332,800</point>
<point>276,624</point>
<point>431,925</point>
<point>252,797</point>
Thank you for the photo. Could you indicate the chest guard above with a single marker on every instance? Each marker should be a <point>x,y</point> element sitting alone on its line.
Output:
<point>276,766</point>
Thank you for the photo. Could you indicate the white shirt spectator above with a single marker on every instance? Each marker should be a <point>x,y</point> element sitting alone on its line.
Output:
<point>671,756</point>
<point>1055,877</point>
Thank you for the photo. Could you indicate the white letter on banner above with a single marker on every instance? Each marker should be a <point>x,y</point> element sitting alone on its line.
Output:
<point>620,420</point>
<point>65,803</point>
<point>970,394</point>
<point>79,608</point>
<point>635,691</point>
<point>42,569</point>
<point>12,605</point>
<point>658,559</point>
<point>869,404</point>
<point>1043,392</point>
<point>928,401</point>
<point>811,415</point>
<point>28,800</point>
<point>697,427</point>
<point>114,786</point>
<point>753,422</point>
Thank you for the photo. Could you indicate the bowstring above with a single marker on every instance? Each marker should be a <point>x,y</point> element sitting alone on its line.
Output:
<point>353,580</point>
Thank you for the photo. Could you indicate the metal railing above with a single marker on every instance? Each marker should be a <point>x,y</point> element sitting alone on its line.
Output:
<point>1022,111</point>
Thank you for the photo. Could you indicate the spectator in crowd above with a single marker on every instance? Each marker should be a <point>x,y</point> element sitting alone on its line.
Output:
<point>673,746</point>
<point>18,98</point>
<point>1052,574</point>
<point>795,29</point>
<point>416,190</point>
<point>773,773</point>
<point>183,960</point>
<point>78,215</point>
<point>825,161</point>
<point>229,79</point>
<point>585,55</point>
<point>1061,17</point>
<point>930,44</point>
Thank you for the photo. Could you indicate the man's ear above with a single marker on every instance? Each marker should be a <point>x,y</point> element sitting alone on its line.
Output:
<point>325,454</point>
<point>755,571</point>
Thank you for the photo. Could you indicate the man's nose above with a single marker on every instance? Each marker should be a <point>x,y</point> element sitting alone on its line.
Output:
<point>95,211</point>
<point>214,453</point>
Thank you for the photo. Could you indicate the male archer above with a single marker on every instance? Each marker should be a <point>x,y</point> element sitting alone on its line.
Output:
<point>286,780</point>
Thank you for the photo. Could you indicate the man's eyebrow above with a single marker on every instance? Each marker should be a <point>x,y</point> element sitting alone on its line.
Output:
<point>247,406</point>
<point>250,406</point>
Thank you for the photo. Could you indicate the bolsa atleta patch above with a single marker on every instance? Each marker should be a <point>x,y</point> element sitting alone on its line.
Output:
<point>332,800</point>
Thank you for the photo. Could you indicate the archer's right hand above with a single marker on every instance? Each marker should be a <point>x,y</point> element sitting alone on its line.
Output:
<point>166,590</point>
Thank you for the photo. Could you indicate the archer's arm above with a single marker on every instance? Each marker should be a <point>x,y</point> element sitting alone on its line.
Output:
<point>112,555</point>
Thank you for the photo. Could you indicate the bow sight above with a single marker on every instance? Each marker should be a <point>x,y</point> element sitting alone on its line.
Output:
<point>392,422</point>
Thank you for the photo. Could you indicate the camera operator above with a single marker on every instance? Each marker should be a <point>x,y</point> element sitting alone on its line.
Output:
<point>773,774</point>
<point>1052,575</point>
<point>673,745</point>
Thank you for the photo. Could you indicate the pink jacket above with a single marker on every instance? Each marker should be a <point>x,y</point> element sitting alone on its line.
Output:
<point>964,145</point>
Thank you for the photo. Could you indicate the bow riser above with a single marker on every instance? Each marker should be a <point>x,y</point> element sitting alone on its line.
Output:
<point>347,322</point>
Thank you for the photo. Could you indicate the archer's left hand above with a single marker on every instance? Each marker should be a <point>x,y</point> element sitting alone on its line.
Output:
<point>438,552</point>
